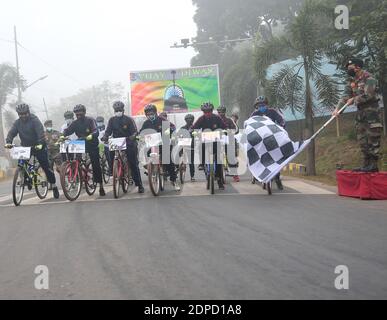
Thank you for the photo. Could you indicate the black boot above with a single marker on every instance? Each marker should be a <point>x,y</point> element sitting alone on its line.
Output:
<point>141,189</point>
<point>372,167</point>
<point>366,163</point>
<point>101,191</point>
<point>279,184</point>
<point>220,184</point>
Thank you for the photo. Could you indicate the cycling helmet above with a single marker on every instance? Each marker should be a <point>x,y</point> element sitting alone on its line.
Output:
<point>23,108</point>
<point>221,109</point>
<point>357,62</point>
<point>189,118</point>
<point>207,107</point>
<point>48,123</point>
<point>118,106</point>
<point>79,108</point>
<point>150,108</point>
<point>261,100</point>
<point>100,119</point>
<point>69,115</point>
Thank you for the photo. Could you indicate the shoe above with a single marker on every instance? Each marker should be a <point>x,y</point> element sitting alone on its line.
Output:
<point>102,192</point>
<point>141,189</point>
<point>279,184</point>
<point>201,167</point>
<point>220,185</point>
<point>55,191</point>
<point>236,179</point>
<point>176,186</point>
<point>193,179</point>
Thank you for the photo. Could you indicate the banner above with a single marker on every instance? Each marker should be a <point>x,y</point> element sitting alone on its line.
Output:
<point>174,90</point>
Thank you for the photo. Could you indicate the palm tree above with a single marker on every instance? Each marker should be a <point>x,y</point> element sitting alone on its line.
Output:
<point>297,86</point>
<point>8,82</point>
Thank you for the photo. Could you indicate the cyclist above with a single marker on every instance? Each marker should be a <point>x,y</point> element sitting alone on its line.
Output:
<point>230,125</point>
<point>85,128</point>
<point>103,146</point>
<point>31,134</point>
<point>262,109</point>
<point>155,122</point>
<point>189,120</point>
<point>210,121</point>
<point>121,126</point>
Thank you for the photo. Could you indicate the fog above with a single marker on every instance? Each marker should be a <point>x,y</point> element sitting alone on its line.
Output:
<point>81,43</point>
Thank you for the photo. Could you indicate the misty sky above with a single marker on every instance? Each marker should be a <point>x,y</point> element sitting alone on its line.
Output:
<point>93,40</point>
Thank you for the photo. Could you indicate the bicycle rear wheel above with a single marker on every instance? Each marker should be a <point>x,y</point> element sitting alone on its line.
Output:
<point>71,181</point>
<point>105,169</point>
<point>154,178</point>
<point>269,188</point>
<point>90,184</point>
<point>182,171</point>
<point>18,186</point>
<point>125,177</point>
<point>41,183</point>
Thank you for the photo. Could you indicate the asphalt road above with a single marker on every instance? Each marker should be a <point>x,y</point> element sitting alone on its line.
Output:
<point>238,244</point>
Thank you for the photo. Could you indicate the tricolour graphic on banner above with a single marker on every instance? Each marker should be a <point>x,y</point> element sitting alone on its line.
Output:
<point>174,90</point>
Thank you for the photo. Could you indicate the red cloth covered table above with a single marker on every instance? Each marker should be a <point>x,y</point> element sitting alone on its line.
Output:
<point>362,185</point>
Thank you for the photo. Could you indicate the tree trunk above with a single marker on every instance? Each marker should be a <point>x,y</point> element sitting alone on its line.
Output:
<point>2,139</point>
<point>309,126</point>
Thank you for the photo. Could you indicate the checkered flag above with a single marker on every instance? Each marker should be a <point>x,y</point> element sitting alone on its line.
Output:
<point>269,148</point>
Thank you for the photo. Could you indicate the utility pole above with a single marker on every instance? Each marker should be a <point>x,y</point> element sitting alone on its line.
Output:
<point>19,91</point>
<point>45,108</point>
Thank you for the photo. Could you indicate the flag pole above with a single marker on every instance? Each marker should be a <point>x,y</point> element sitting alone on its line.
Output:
<point>329,121</point>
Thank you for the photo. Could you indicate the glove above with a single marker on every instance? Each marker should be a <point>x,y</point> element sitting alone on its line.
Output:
<point>8,146</point>
<point>194,134</point>
<point>89,137</point>
<point>39,147</point>
<point>61,139</point>
<point>167,132</point>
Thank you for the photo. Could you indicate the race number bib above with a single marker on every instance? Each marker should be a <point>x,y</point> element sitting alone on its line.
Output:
<point>117,144</point>
<point>184,142</point>
<point>75,146</point>
<point>21,153</point>
<point>153,140</point>
<point>210,136</point>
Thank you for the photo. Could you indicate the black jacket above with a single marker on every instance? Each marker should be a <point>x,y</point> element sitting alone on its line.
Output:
<point>213,123</point>
<point>156,125</point>
<point>120,127</point>
<point>31,132</point>
<point>82,128</point>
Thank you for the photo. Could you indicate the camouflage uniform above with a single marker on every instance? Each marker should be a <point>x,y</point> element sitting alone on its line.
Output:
<point>368,123</point>
<point>53,149</point>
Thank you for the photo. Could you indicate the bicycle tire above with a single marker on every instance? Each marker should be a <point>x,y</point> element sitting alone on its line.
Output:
<point>182,172</point>
<point>116,178</point>
<point>105,169</point>
<point>269,188</point>
<point>90,184</point>
<point>154,178</point>
<point>44,183</point>
<point>19,173</point>
<point>125,178</point>
<point>212,179</point>
<point>66,169</point>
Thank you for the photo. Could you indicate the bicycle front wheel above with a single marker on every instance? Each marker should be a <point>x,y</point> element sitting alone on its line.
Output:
<point>71,181</point>
<point>41,183</point>
<point>117,175</point>
<point>212,179</point>
<point>18,186</point>
<point>105,169</point>
<point>154,178</point>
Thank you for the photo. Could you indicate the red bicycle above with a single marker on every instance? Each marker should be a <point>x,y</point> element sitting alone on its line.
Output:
<point>76,171</point>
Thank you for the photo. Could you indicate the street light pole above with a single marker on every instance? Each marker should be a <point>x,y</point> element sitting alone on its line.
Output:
<point>45,108</point>
<point>19,91</point>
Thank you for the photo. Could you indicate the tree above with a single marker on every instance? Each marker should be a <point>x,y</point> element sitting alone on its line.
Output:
<point>97,99</point>
<point>8,82</point>
<point>306,40</point>
<point>366,38</point>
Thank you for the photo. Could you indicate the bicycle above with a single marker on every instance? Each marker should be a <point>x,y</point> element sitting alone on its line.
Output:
<point>28,173</point>
<point>210,167</point>
<point>121,170</point>
<point>76,171</point>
